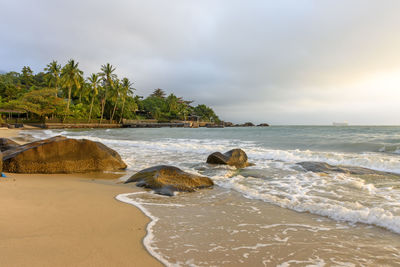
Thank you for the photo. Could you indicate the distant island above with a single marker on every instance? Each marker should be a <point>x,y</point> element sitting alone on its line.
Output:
<point>64,94</point>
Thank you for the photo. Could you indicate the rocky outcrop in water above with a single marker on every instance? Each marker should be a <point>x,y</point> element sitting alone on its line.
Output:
<point>6,144</point>
<point>235,157</point>
<point>62,155</point>
<point>322,167</point>
<point>263,125</point>
<point>165,180</point>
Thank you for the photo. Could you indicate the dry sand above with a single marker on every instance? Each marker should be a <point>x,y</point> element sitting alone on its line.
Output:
<point>69,220</point>
<point>8,133</point>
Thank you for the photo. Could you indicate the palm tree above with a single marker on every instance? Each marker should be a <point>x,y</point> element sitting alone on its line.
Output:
<point>82,90</point>
<point>158,93</point>
<point>108,78</point>
<point>71,76</point>
<point>53,71</point>
<point>127,90</point>
<point>115,94</point>
<point>94,83</point>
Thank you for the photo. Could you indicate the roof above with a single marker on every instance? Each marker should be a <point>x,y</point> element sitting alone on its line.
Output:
<point>12,111</point>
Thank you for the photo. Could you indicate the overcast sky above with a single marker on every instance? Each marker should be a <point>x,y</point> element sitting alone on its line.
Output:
<point>281,62</point>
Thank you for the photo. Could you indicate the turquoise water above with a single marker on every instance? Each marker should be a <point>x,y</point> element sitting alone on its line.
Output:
<point>355,207</point>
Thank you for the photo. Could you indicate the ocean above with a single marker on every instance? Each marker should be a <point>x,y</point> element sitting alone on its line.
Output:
<point>275,213</point>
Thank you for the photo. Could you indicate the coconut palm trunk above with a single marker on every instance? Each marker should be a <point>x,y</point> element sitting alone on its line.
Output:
<point>91,108</point>
<point>113,113</point>
<point>103,104</point>
<point>68,102</point>
<point>122,111</point>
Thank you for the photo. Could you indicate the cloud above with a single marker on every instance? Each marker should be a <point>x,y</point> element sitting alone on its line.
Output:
<point>300,62</point>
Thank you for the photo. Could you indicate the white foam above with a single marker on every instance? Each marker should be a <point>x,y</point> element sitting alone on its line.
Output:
<point>310,193</point>
<point>200,148</point>
<point>147,241</point>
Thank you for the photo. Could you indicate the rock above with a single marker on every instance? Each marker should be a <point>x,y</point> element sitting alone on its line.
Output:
<point>62,155</point>
<point>248,124</point>
<point>165,180</point>
<point>6,144</point>
<point>235,157</point>
<point>322,167</point>
<point>263,125</point>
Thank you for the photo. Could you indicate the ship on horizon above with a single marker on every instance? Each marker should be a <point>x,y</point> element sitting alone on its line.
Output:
<point>345,123</point>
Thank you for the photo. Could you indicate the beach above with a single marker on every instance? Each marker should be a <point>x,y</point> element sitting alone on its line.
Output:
<point>8,133</point>
<point>69,220</point>
<point>320,196</point>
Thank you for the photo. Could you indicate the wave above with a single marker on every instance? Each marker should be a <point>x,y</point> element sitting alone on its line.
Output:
<point>200,148</point>
<point>339,197</point>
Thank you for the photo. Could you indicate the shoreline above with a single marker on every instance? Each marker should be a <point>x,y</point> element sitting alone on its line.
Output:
<point>9,133</point>
<point>70,219</point>
<point>124,198</point>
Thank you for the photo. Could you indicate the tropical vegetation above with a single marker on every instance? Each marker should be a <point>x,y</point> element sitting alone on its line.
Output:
<point>63,93</point>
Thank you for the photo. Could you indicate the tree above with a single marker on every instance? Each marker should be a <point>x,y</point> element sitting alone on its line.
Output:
<point>108,81</point>
<point>206,113</point>
<point>27,77</point>
<point>126,90</point>
<point>39,102</point>
<point>115,95</point>
<point>53,72</point>
<point>158,93</point>
<point>71,76</point>
<point>94,81</point>
<point>154,105</point>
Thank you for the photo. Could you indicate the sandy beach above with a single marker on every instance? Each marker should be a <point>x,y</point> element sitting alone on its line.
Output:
<point>67,220</point>
<point>8,133</point>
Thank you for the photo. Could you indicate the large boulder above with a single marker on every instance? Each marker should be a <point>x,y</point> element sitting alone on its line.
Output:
<point>62,155</point>
<point>165,180</point>
<point>235,157</point>
<point>6,144</point>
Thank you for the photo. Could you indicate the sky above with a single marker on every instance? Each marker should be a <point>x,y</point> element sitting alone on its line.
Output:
<point>280,62</point>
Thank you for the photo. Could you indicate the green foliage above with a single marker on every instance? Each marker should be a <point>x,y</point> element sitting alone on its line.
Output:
<point>41,103</point>
<point>158,93</point>
<point>63,92</point>
<point>205,113</point>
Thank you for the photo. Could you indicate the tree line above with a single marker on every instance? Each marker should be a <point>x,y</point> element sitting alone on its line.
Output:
<point>63,93</point>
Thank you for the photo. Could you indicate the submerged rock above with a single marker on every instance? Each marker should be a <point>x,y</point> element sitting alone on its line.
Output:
<point>235,157</point>
<point>165,180</point>
<point>62,155</point>
<point>6,144</point>
<point>315,166</point>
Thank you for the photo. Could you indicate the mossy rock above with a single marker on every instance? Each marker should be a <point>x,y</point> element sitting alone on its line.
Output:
<point>62,155</point>
<point>6,144</point>
<point>235,157</point>
<point>165,180</point>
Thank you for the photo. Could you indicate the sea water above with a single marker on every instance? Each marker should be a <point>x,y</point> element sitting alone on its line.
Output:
<point>274,213</point>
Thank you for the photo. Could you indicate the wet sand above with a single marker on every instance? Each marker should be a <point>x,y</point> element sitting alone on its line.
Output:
<point>220,227</point>
<point>69,220</point>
